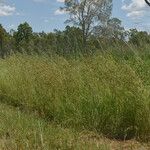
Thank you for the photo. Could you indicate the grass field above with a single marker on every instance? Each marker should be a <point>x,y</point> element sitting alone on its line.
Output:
<point>22,131</point>
<point>74,104</point>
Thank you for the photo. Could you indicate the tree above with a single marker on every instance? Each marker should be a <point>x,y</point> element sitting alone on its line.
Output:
<point>87,14</point>
<point>74,39</point>
<point>23,35</point>
<point>2,32</point>
<point>139,38</point>
<point>4,37</point>
<point>115,29</point>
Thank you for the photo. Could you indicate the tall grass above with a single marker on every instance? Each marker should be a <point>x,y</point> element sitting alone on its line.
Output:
<point>22,131</point>
<point>96,93</point>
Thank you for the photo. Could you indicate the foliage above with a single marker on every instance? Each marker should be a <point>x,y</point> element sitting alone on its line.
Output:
<point>69,43</point>
<point>87,14</point>
<point>91,76</point>
<point>139,38</point>
<point>96,93</point>
<point>23,36</point>
<point>4,42</point>
<point>20,130</point>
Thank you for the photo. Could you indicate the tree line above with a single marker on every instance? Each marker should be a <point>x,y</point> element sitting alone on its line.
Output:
<point>91,29</point>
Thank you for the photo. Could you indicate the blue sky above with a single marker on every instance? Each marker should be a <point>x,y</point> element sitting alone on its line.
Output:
<point>43,15</point>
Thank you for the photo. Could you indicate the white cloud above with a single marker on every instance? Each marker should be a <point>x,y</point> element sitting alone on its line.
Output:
<point>135,9</point>
<point>11,26</point>
<point>136,14</point>
<point>39,0</point>
<point>60,12</point>
<point>46,20</point>
<point>6,10</point>
<point>61,1</point>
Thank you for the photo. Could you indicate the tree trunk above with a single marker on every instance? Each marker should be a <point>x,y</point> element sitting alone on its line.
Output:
<point>84,39</point>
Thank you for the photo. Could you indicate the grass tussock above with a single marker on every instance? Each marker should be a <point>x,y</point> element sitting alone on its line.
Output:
<point>19,130</point>
<point>23,131</point>
<point>96,93</point>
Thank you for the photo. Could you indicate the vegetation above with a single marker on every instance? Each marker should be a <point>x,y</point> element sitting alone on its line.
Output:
<point>20,130</point>
<point>88,15</point>
<point>23,131</point>
<point>93,77</point>
<point>95,93</point>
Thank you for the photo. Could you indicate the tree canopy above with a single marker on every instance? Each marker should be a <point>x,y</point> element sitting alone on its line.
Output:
<point>87,14</point>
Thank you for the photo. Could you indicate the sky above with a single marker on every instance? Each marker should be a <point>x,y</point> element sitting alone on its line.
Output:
<point>44,15</point>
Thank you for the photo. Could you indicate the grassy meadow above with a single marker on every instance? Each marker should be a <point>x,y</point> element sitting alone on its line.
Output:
<point>78,78</point>
<point>54,99</point>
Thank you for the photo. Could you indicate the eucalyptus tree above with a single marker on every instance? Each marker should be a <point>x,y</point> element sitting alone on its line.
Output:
<point>23,36</point>
<point>87,14</point>
<point>2,35</point>
<point>4,42</point>
<point>24,33</point>
<point>115,29</point>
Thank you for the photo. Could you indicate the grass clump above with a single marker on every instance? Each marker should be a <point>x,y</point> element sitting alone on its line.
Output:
<point>95,93</point>
<point>23,131</point>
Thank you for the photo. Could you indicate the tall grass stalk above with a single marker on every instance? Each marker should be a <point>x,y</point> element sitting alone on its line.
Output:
<point>96,93</point>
